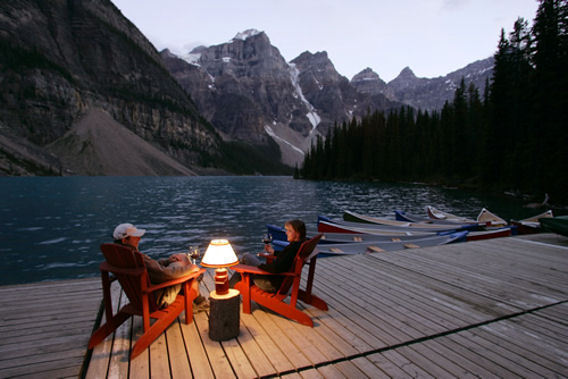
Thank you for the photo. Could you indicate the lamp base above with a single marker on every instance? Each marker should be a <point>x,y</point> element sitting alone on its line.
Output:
<point>221,281</point>
<point>224,315</point>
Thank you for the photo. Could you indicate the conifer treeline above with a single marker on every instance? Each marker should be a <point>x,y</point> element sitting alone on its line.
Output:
<point>514,136</point>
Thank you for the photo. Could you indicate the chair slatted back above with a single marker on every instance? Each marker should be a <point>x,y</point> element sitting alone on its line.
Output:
<point>304,252</point>
<point>124,257</point>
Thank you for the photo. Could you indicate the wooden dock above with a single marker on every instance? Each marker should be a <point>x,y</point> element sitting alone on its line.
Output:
<point>495,308</point>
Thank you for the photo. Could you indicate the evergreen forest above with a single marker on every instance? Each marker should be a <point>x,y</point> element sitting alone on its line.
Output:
<point>513,136</point>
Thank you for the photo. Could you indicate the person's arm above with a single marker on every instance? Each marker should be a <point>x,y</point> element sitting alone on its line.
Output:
<point>160,273</point>
<point>284,259</point>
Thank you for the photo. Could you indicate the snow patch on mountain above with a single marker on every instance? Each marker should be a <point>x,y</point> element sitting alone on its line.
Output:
<point>271,133</point>
<point>192,58</point>
<point>312,115</point>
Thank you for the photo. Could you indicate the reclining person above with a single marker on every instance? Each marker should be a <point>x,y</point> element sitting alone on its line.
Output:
<point>162,270</point>
<point>282,262</point>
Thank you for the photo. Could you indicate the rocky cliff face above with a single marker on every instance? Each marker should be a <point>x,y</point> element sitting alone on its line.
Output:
<point>427,94</point>
<point>59,59</point>
<point>250,93</point>
<point>335,98</point>
<point>247,91</point>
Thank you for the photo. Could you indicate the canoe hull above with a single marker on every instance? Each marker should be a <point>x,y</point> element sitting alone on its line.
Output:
<point>488,234</point>
<point>558,225</point>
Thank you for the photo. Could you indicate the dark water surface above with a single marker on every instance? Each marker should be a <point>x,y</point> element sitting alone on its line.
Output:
<point>51,227</point>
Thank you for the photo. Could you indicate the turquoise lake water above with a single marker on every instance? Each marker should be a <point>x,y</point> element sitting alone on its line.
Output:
<point>51,227</point>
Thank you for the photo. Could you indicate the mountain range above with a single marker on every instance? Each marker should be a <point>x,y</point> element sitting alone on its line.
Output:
<point>74,73</point>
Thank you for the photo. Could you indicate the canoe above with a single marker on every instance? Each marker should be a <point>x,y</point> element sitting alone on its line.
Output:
<point>437,214</point>
<point>353,217</point>
<point>338,226</point>
<point>558,224</point>
<point>408,217</point>
<point>278,233</point>
<point>381,246</point>
<point>490,219</point>
<point>488,234</point>
<point>531,225</point>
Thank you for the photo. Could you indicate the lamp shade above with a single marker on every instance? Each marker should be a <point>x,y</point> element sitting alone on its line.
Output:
<point>219,254</point>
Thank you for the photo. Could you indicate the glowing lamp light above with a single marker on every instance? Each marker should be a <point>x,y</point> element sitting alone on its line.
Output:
<point>220,255</point>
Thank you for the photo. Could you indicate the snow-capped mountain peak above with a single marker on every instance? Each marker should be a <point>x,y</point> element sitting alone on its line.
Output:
<point>246,34</point>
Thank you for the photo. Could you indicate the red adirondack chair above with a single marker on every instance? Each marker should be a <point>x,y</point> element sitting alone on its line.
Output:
<point>290,285</point>
<point>128,267</point>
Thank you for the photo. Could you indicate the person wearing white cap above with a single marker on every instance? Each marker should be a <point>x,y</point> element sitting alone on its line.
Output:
<point>161,270</point>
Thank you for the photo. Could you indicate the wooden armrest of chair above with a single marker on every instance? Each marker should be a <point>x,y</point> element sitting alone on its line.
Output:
<point>246,269</point>
<point>172,282</point>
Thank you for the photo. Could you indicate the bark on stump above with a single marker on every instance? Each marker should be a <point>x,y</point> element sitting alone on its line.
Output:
<point>224,315</point>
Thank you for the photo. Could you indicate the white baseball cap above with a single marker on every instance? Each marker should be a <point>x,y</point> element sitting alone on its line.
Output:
<point>127,230</point>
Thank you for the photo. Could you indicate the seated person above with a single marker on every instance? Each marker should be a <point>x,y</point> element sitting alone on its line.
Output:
<point>282,262</point>
<point>162,270</point>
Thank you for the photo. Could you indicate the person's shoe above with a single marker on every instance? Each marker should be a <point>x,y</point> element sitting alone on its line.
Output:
<point>202,306</point>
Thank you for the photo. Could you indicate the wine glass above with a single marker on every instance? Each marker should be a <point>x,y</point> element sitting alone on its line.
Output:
<point>194,254</point>
<point>267,238</point>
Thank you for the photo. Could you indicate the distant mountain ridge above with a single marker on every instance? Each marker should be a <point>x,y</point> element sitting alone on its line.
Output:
<point>424,93</point>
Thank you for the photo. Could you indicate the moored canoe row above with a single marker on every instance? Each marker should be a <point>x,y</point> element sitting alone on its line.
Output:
<point>357,233</point>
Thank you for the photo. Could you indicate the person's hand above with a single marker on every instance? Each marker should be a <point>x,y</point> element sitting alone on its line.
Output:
<point>269,249</point>
<point>180,257</point>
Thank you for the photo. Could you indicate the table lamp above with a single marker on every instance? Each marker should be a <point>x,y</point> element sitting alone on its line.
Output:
<point>220,255</point>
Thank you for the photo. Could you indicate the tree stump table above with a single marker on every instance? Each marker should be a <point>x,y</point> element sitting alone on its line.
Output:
<point>224,315</point>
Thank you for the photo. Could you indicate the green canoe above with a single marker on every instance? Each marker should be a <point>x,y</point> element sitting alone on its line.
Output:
<point>557,224</point>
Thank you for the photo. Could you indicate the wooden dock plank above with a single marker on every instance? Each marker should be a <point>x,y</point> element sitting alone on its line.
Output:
<point>118,366</point>
<point>546,366</point>
<point>140,366</point>
<point>397,305</point>
<point>331,372</point>
<point>310,374</point>
<point>423,300</point>
<point>217,357</point>
<point>434,356</point>
<point>258,358</point>
<point>478,349</point>
<point>368,368</point>
<point>297,356</point>
<point>455,353</point>
<point>159,362</point>
<point>239,361</point>
<point>177,355</point>
<point>200,366</point>
<point>349,369</point>
<point>101,354</point>
<point>392,330</point>
<point>299,335</point>
<point>405,365</point>
<point>426,363</point>
<point>269,348</point>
